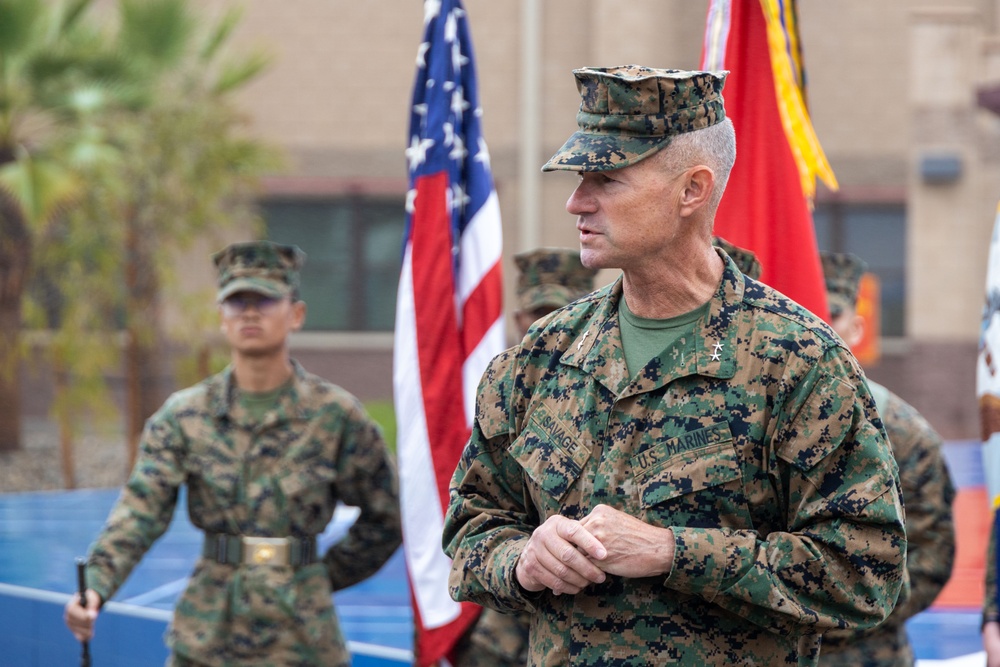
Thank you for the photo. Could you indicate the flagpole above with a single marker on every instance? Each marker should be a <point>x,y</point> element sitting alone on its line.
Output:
<point>530,143</point>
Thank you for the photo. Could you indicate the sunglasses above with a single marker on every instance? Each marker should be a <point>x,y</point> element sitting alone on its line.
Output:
<point>238,304</point>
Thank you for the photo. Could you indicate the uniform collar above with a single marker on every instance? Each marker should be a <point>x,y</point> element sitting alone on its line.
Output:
<point>222,399</point>
<point>597,348</point>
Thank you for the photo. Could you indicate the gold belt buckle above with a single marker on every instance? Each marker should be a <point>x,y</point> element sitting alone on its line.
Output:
<point>265,550</point>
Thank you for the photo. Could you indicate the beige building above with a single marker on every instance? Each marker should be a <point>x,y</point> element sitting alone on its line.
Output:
<point>892,86</point>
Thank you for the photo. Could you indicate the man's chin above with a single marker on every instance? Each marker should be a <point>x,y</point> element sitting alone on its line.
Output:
<point>590,259</point>
<point>257,352</point>
<point>593,260</point>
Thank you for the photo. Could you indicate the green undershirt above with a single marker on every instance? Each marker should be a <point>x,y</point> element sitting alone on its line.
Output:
<point>258,404</point>
<point>644,339</point>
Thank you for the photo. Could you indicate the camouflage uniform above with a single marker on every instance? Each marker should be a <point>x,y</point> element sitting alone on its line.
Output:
<point>928,494</point>
<point>746,261</point>
<point>758,444</point>
<point>498,639</point>
<point>842,273</point>
<point>551,277</point>
<point>548,278</point>
<point>280,477</point>
<point>930,533</point>
<point>991,609</point>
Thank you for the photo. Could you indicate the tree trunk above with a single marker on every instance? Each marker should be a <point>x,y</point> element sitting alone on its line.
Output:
<point>15,259</point>
<point>143,356</point>
<point>133,398</point>
<point>66,441</point>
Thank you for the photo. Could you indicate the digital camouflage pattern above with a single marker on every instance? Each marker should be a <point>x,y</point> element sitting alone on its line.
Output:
<point>991,610</point>
<point>551,277</point>
<point>842,272</point>
<point>496,640</point>
<point>928,493</point>
<point>759,445</point>
<point>258,266</point>
<point>746,261</point>
<point>629,112</point>
<point>548,278</point>
<point>276,478</point>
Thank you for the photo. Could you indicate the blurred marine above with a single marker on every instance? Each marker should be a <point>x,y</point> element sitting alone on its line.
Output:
<point>547,279</point>
<point>266,450</point>
<point>928,494</point>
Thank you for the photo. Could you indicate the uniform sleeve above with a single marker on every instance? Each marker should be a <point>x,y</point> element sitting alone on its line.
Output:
<point>367,480</point>
<point>928,494</point>
<point>144,509</point>
<point>488,523</point>
<point>839,564</point>
<point>991,608</point>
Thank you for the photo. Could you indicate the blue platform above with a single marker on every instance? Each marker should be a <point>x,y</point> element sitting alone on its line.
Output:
<point>41,534</point>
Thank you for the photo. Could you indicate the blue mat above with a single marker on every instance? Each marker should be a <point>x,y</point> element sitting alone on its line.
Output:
<point>41,534</point>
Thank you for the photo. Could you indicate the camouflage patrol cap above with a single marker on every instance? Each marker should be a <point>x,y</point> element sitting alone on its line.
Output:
<point>629,112</point>
<point>842,272</point>
<point>259,266</point>
<point>746,260</point>
<point>551,277</point>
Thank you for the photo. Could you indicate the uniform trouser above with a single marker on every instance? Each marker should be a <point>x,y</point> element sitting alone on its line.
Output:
<point>181,661</point>
<point>883,647</point>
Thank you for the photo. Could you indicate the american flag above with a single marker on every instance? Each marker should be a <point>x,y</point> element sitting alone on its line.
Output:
<point>449,320</point>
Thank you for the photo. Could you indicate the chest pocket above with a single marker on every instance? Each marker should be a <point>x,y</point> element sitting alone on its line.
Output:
<point>212,474</point>
<point>310,493</point>
<point>550,455</point>
<point>694,480</point>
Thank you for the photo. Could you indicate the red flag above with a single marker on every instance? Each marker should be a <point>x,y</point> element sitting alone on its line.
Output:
<point>767,207</point>
<point>449,320</point>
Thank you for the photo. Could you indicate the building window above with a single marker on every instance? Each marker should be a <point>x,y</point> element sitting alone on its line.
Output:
<point>353,244</point>
<point>875,232</point>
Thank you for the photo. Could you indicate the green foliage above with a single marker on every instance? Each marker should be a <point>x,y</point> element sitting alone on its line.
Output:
<point>384,414</point>
<point>155,34</point>
<point>136,150</point>
<point>39,185</point>
<point>20,22</point>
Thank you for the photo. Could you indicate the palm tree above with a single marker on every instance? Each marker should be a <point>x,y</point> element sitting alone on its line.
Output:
<point>140,116</point>
<point>184,171</point>
<point>192,169</point>
<point>54,77</point>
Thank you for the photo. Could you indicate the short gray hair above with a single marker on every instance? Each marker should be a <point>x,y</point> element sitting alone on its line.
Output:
<point>714,147</point>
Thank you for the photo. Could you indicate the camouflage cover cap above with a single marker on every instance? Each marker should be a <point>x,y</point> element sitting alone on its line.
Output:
<point>259,266</point>
<point>551,277</point>
<point>630,112</point>
<point>746,260</point>
<point>842,272</point>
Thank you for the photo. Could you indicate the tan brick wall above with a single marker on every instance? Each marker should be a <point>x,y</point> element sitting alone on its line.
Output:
<point>883,86</point>
<point>337,100</point>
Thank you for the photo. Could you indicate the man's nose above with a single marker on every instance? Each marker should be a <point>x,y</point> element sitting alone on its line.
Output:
<point>580,200</point>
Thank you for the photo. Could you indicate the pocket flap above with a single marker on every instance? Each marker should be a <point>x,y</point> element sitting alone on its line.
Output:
<point>298,479</point>
<point>549,453</point>
<point>664,473</point>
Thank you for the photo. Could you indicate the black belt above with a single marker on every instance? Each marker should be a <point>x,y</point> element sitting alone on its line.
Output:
<point>246,550</point>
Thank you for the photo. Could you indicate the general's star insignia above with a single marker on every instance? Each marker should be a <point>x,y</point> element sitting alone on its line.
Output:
<point>716,356</point>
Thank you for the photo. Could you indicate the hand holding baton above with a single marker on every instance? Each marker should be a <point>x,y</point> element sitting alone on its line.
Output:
<point>81,583</point>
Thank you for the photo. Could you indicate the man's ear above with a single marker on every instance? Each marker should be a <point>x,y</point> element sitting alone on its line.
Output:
<point>698,185</point>
<point>856,331</point>
<point>298,315</point>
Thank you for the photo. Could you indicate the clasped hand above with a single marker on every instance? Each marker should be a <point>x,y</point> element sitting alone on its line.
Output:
<point>566,555</point>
